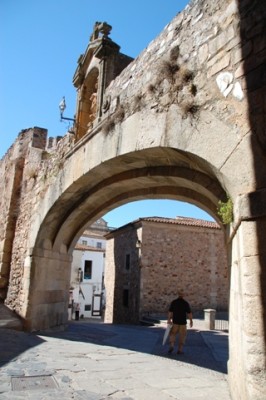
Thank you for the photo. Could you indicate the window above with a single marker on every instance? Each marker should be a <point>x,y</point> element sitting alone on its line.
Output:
<point>84,242</point>
<point>99,245</point>
<point>125,297</point>
<point>87,269</point>
<point>87,307</point>
<point>127,262</point>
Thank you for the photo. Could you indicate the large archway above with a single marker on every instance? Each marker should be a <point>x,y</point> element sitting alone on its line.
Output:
<point>151,173</point>
<point>176,123</point>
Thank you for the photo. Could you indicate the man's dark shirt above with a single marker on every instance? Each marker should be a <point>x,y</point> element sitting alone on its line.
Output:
<point>180,308</point>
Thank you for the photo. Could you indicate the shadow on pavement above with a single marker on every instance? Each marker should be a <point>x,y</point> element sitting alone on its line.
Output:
<point>148,339</point>
<point>13,343</point>
<point>200,352</point>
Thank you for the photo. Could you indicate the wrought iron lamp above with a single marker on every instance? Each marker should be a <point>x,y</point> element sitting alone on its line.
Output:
<point>62,107</point>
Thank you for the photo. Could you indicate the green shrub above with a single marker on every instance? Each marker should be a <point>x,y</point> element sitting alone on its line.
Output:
<point>225,211</point>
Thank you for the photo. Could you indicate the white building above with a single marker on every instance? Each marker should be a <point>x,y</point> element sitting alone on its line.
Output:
<point>87,272</point>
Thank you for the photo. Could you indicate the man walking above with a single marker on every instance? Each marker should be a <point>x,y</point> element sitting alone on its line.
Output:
<point>178,312</point>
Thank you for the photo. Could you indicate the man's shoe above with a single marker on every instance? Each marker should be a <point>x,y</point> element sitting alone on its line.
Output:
<point>170,350</point>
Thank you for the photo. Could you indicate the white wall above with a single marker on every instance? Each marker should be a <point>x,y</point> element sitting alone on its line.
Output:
<point>83,293</point>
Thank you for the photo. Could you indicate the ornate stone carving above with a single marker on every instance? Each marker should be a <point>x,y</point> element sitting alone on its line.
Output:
<point>100,28</point>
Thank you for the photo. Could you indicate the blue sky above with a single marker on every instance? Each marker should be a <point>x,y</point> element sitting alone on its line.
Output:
<point>41,42</point>
<point>153,208</point>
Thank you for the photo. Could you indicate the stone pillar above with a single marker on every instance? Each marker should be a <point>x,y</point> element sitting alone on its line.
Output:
<point>247,324</point>
<point>209,318</point>
<point>46,288</point>
<point>109,282</point>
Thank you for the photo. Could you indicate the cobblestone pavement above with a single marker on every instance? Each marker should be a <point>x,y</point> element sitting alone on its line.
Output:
<point>97,361</point>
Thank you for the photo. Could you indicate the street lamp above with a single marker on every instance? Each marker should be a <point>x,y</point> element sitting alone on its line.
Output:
<point>62,107</point>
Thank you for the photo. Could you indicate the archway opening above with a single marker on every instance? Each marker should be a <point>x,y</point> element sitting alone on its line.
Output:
<point>159,247</point>
<point>91,258</point>
<point>157,173</point>
<point>204,261</point>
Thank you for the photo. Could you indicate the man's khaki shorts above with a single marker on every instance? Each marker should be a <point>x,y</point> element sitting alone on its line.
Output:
<point>178,329</point>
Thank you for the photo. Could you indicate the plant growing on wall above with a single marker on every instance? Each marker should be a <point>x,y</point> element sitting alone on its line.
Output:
<point>108,125</point>
<point>225,210</point>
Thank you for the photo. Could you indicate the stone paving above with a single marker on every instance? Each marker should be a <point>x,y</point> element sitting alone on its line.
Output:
<point>97,361</point>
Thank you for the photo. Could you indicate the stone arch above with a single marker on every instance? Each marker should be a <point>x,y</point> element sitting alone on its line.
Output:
<point>166,173</point>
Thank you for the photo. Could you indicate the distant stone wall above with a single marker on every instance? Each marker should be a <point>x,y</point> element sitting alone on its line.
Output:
<point>122,281</point>
<point>187,257</point>
<point>173,256</point>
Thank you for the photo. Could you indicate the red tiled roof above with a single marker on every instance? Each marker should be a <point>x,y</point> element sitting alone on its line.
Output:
<point>182,221</point>
<point>185,221</point>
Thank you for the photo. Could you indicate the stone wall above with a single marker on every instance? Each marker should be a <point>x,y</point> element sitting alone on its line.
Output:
<point>28,169</point>
<point>194,69</point>
<point>191,255</point>
<point>12,187</point>
<point>122,282</point>
<point>183,256</point>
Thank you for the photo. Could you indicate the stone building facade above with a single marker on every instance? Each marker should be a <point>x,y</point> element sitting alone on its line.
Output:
<point>149,259</point>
